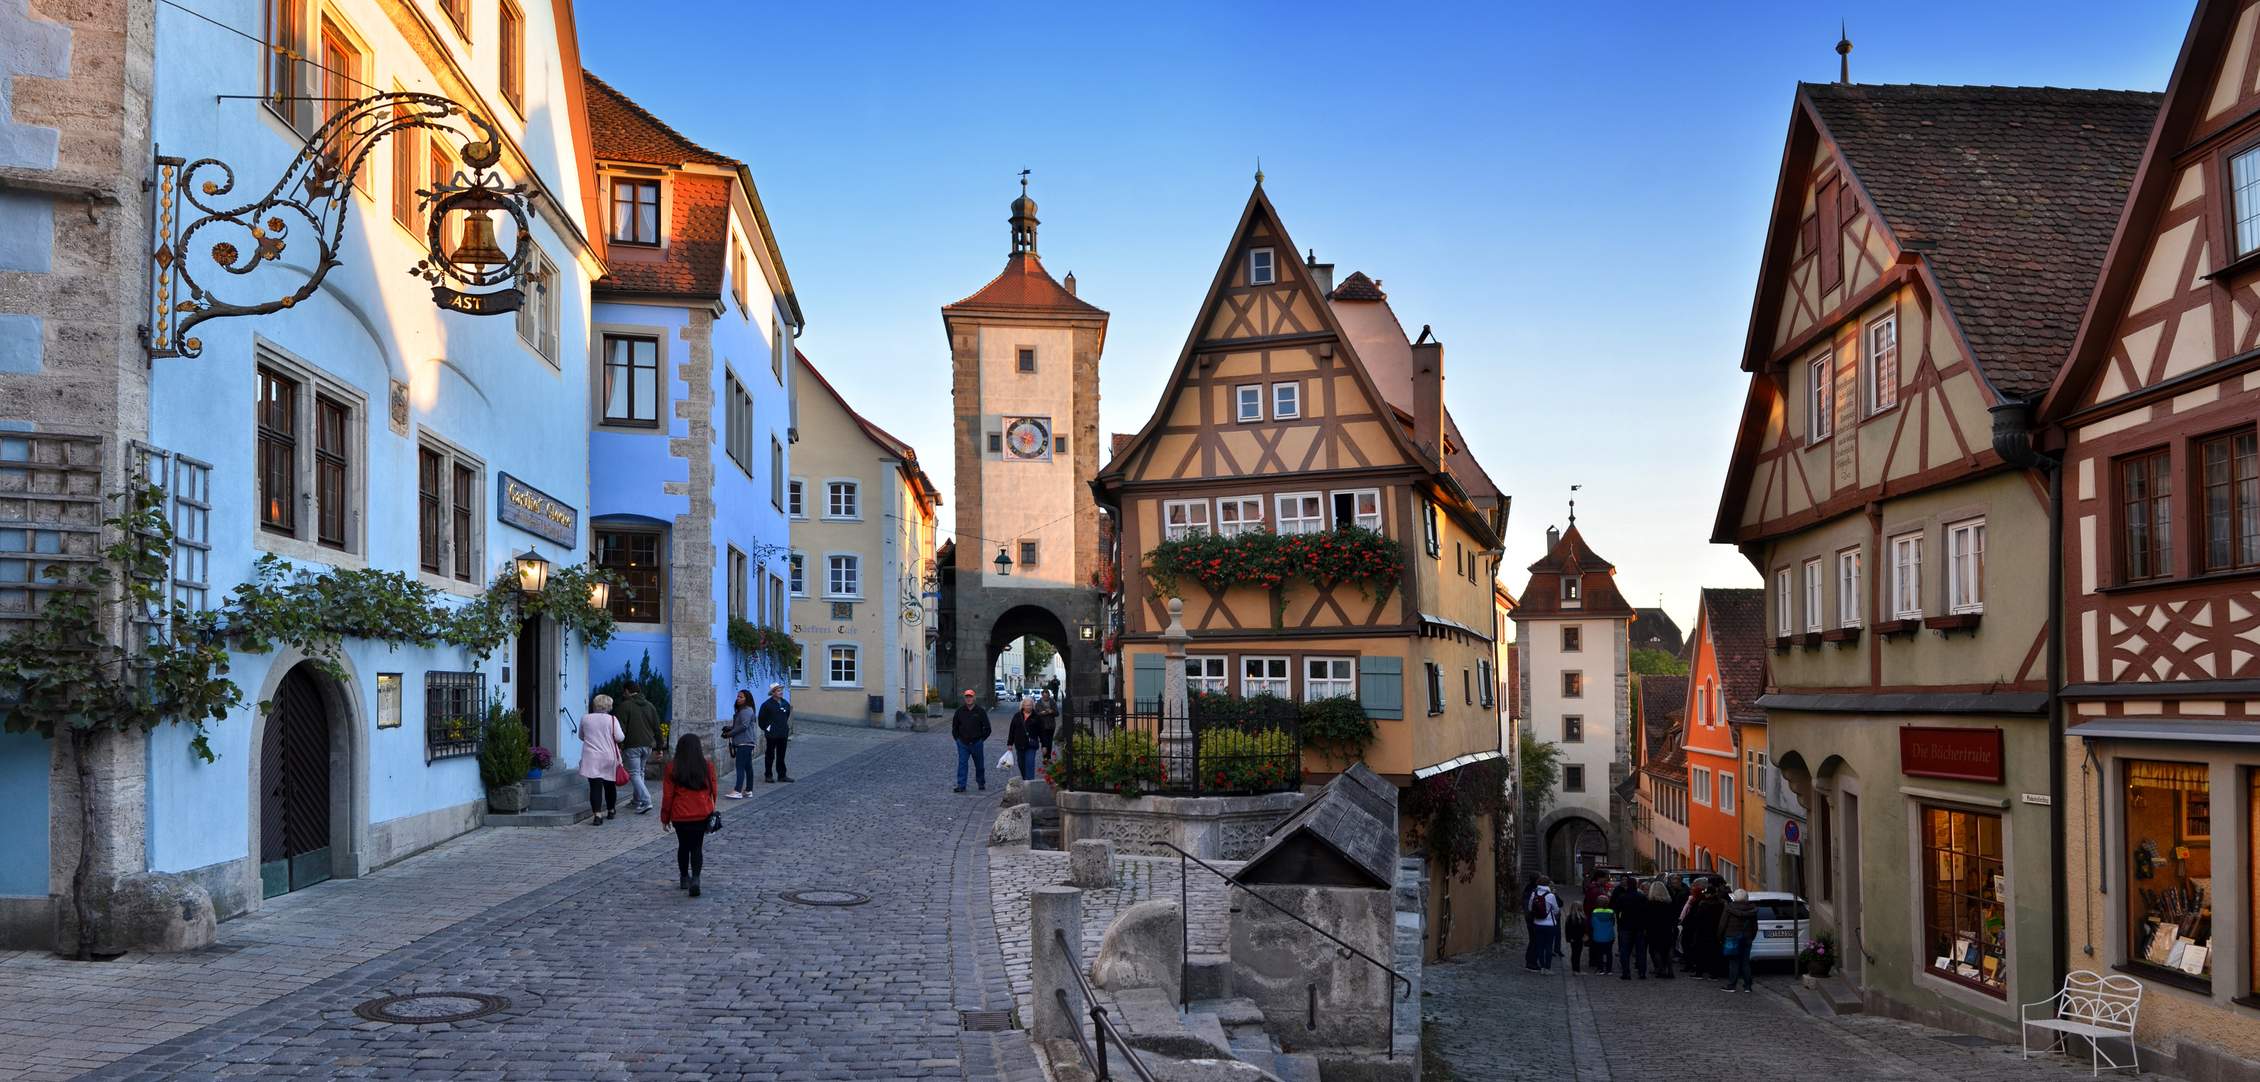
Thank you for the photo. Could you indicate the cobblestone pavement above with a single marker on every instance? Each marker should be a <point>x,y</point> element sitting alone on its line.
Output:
<point>1016,870</point>
<point>1490,1020</point>
<point>611,972</point>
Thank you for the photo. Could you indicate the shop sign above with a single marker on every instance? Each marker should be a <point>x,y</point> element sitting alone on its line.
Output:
<point>537,512</point>
<point>1959,754</point>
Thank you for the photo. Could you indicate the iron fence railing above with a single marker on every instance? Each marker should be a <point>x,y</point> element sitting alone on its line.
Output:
<point>1215,748</point>
<point>1103,1029</point>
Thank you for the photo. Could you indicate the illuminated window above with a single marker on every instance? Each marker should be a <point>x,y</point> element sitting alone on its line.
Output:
<point>2168,842</point>
<point>1966,905</point>
<point>633,555</point>
<point>841,669</point>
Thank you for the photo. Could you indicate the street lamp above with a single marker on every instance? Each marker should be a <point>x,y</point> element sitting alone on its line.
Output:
<point>533,572</point>
<point>1003,562</point>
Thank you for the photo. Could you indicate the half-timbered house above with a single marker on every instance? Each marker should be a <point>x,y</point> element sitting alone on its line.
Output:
<point>1926,261</point>
<point>2160,528</point>
<point>1299,412</point>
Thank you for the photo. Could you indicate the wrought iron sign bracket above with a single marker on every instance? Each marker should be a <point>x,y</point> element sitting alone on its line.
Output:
<point>311,201</point>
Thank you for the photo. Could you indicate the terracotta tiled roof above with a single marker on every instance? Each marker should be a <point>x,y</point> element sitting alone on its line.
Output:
<point>1737,622</point>
<point>698,230</point>
<point>1024,286</point>
<point>625,131</point>
<point>2010,193</point>
<point>1597,595</point>
<point>1118,441</point>
<point>1654,629</point>
<point>1357,287</point>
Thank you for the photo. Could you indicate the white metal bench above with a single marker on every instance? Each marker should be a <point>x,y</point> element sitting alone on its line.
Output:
<point>2094,1009</point>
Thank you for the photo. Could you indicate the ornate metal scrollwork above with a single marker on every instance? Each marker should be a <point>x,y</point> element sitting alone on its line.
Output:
<point>311,201</point>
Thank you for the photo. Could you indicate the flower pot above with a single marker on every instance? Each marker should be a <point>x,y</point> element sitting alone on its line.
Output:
<point>507,799</point>
<point>533,774</point>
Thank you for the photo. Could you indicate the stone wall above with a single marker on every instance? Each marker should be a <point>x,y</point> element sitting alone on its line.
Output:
<point>1209,827</point>
<point>696,633</point>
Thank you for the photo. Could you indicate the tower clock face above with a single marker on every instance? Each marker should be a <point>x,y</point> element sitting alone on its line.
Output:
<point>1028,438</point>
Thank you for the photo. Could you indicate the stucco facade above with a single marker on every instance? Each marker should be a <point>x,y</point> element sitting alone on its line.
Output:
<point>1574,671</point>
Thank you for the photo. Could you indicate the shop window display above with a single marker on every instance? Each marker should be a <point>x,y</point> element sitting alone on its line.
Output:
<point>1965,909</point>
<point>2169,840</point>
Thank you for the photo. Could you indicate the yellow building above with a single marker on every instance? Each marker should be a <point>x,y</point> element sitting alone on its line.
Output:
<point>1299,411</point>
<point>862,562</point>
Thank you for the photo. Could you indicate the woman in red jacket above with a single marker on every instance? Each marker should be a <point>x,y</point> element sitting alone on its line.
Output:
<point>686,802</point>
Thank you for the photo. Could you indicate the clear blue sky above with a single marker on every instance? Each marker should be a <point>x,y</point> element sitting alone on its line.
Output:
<point>1573,195</point>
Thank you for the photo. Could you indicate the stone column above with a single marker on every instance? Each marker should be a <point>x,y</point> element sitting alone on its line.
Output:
<point>1176,701</point>
<point>1050,910</point>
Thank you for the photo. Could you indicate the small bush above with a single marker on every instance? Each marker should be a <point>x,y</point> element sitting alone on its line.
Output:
<point>1337,725</point>
<point>1259,761</point>
<point>1124,763</point>
<point>505,757</point>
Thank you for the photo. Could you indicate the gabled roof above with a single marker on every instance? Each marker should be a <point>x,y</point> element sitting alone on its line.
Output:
<point>2183,107</point>
<point>628,132</point>
<point>1357,287</point>
<point>1570,550</point>
<point>1735,620</point>
<point>886,441</point>
<point>1654,629</point>
<point>2008,193</point>
<point>1661,697</point>
<point>1024,286</point>
<point>1597,588</point>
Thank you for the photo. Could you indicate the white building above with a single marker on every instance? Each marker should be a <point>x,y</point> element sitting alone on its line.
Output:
<point>1573,657</point>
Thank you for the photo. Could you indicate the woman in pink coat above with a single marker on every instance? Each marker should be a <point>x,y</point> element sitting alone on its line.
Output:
<point>600,758</point>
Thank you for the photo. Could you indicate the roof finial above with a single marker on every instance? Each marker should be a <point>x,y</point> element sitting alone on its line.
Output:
<point>1259,170</point>
<point>1573,505</point>
<point>1023,220</point>
<point>1843,52</point>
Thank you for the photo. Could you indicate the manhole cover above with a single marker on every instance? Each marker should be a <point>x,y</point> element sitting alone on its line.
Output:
<point>825,897</point>
<point>1965,1040</point>
<point>427,1008</point>
<point>984,1021</point>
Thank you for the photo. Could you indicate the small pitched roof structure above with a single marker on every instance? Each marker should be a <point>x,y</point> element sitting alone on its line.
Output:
<point>1024,286</point>
<point>1344,836</point>
<point>1654,629</point>
<point>1735,620</point>
<point>903,452</point>
<point>628,132</point>
<point>1568,555</point>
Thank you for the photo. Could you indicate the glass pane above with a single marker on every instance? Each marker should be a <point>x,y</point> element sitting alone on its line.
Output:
<point>2168,844</point>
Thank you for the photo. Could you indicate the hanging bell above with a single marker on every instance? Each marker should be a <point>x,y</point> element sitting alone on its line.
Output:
<point>475,245</point>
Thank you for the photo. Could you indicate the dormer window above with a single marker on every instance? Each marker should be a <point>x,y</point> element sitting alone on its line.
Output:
<point>1262,271</point>
<point>1573,594</point>
<point>635,212</point>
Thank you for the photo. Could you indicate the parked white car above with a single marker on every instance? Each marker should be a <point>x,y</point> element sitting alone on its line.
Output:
<point>1782,916</point>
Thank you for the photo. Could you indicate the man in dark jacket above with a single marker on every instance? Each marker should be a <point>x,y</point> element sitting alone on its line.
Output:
<point>1047,722</point>
<point>639,720</point>
<point>970,726</point>
<point>1631,905</point>
<point>776,724</point>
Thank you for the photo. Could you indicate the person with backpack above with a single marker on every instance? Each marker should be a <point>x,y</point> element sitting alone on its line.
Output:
<point>686,807</point>
<point>1577,936</point>
<point>1603,930</point>
<point>1663,927</point>
<point>1543,910</point>
<point>1631,906</point>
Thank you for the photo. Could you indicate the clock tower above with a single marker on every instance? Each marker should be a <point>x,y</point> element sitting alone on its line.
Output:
<point>1024,360</point>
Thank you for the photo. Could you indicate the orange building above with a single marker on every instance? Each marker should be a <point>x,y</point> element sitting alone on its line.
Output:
<point>1725,675</point>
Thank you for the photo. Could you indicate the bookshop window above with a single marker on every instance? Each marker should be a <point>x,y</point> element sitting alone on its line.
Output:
<point>2169,840</point>
<point>1965,908</point>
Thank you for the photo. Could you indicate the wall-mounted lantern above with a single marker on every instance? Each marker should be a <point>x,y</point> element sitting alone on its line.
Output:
<point>600,594</point>
<point>1003,562</point>
<point>533,572</point>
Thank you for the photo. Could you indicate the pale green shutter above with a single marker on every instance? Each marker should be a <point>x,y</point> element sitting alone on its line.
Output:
<point>1146,675</point>
<point>1381,686</point>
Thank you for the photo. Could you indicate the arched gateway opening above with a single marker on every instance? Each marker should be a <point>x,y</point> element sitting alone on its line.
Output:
<point>1035,625</point>
<point>1574,846</point>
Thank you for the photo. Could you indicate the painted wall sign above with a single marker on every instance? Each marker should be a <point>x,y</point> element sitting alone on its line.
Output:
<point>1960,754</point>
<point>499,302</point>
<point>536,512</point>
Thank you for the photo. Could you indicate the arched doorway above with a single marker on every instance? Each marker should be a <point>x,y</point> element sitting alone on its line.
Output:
<point>1035,624</point>
<point>305,788</point>
<point>1573,846</point>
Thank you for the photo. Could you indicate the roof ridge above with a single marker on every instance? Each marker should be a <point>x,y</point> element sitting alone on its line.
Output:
<point>653,119</point>
<point>1835,87</point>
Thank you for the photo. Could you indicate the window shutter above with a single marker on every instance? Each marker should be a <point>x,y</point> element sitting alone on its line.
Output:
<point>1146,679</point>
<point>1381,686</point>
<point>1830,210</point>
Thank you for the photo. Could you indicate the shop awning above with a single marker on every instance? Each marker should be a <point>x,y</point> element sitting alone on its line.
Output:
<point>1455,764</point>
<point>2193,729</point>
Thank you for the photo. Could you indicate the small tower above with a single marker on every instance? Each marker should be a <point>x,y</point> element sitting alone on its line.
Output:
<point>1023,220</point>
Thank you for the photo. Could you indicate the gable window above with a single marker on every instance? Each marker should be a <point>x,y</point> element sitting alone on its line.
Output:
<point>1820,398</point>
<point>1573,639</point>
<point>635,211</point>
<point>1358,507</point>
<point>1249,398</point>
<point>1264,676</point>
<point>1883,364</point>
<point>1848,588</point>
<point>1573,685</point>
<point>796,498</point>
<point>1812,595</point>
<point>633,555</point>
<point>631,381</point>
<point>796,571</point>
<point>1783,607</point>
<point>1435,674</point>
<point>2232,501</point>
<point>308,435</point>
<point>1573,778</point>
<point>447,493</point>
<point>1286,401</point>
<point>2244,185</point>
<point>537,316</point>
<point>1261,269</point>
<point>840,667</point>
<point>1207,675</point>
<point>1300,512</point>
<point>1329,678</point>
<point>1965,568</point>
<point>2146,522</point>
<point>1027,554</point>
<point>1573,592</point>
<point>1027,360</point>
<point>1828,212</point>
<point>511,37</point>
<point>841,500</point>
<point>737,421</point>
<point>843,576</point>
<point>1236,515</point>
<point>1184,518</point>
<point>1907,576</point>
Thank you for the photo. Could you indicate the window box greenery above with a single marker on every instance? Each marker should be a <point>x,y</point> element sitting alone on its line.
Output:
<point>1265,560</point>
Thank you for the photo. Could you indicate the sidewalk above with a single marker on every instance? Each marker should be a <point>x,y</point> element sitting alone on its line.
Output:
<point>60,1018</point>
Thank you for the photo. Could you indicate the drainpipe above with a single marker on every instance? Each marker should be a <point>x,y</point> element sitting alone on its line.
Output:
<point>2016,442</point>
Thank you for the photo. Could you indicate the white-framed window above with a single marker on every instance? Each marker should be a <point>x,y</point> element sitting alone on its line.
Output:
<point>843,575</point>
<point>798,674</point>
<point>1433,537</point>
<point>1965,566</point>
<point>1359,507</point>
<point>1236,515</point>
<point>1329,677</point>
<point>843,500</point>
<point>1848,588</point>
<point>1183,518</point>
<point>191,493</point>
<point>1726,792</point>
<point>1286,400</point>
<point>1784,606</point>
<point>1882,339</point>
<point>842,666</point>
<point>538,315</point>
<point>449,539</point>
<point>312,449</point>
<point>1820,397</point>
<point>1262,270</point>
<point>1248,399</point>
<point>1300,512</point>
<point>796,571</point>
<point>796,498</point>
<point>1208,673</point>
<point>1703,706</point>
<point>1699,784</point>
<point>2244,197</point>
<point>1907,576</point>
<point>1265,676</point>
<point>1813,594</point>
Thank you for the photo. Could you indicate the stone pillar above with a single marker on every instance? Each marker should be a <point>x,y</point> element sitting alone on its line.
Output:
<point>1176,714</point>
<point>1050,910</point>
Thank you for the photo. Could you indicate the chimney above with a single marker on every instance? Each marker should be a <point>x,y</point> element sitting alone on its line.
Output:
<point>1321,274</point>
<point>1428,394</point>
<point>1553,538</point>
<point>1070,283</point>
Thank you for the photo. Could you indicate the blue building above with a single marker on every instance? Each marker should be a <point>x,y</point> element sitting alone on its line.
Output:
<point>690,419</point>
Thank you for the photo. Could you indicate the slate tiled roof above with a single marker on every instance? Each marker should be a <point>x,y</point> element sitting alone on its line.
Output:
<point>698,222</point>
<point>1737,622</point>
<point>622,130</point>
<point>1024,286</point>
<point>2011,193</point>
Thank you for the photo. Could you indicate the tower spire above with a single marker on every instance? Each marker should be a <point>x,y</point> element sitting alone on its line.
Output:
<point>1573,504</point>
<point>1843,52</point>
<point>1023,220</point>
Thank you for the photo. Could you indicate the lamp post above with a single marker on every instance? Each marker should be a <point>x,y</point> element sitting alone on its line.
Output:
<point>533,572</point>
<point>1004,563</point>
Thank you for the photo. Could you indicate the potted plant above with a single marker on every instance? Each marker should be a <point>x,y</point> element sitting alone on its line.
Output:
<point>505,759</point>
<point>1818,959</point>
<point>542,757</point>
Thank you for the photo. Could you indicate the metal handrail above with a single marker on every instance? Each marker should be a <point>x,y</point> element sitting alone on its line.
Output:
<point>1102,1026</point>
<point>1185,935</point>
